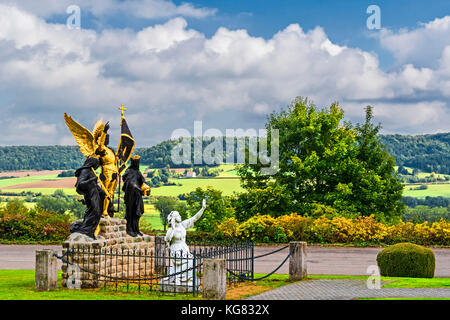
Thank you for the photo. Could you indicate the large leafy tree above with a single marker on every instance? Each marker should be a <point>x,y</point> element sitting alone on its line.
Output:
<point>377,188</point>
<point>323,159</point>
<point>218,207</point>
<point>165,205</point>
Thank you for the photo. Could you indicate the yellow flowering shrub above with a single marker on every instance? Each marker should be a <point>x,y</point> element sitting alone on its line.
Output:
<point>326,229</point>
<point>229,228</point>
<point>294,226</point>
<point>438,233</point>
<point>367,229</point>
<point>257,227</point>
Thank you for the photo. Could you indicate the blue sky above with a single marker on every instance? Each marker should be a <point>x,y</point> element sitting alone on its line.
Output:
<point>227,63</point>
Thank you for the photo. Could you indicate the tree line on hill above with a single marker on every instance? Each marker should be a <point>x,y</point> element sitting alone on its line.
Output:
<point>429,153</point>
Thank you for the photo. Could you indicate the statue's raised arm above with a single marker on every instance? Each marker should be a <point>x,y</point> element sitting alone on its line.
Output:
<point>189,223</point>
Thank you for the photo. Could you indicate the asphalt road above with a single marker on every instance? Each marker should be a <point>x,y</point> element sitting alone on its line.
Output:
<point>321,260</point>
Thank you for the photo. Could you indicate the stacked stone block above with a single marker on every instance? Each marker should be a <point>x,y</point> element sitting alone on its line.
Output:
<point>113,257</point>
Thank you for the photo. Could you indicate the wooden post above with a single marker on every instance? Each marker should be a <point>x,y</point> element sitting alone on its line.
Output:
<point>297,261</point>
<point>46,271</point>
<point>214,279</point>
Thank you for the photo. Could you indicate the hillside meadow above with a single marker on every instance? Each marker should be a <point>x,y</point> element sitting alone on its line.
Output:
<point>227,181</point>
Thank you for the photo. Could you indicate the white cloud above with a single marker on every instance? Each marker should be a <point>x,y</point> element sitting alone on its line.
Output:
<point>148,9</point>
<point>170,75</point>
<point>422,46</point>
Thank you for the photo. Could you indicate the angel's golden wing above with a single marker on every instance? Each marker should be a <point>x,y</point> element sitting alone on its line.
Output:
<point>98,129</point>
<point>83,137</point>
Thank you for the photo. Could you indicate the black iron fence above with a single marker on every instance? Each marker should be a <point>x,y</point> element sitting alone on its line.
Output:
<point>179,270</point>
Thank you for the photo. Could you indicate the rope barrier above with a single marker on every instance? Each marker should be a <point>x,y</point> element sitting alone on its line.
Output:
<point>269,274</point>
<point>272,252</point>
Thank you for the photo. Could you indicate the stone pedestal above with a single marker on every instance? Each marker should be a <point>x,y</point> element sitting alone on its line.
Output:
<point>113,256</point>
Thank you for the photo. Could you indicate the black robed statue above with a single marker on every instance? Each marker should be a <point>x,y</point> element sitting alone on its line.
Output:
<point>135,188</point>
<point>88,186</point>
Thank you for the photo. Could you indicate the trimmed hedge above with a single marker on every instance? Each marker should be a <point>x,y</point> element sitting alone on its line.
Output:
<point>406,260</point>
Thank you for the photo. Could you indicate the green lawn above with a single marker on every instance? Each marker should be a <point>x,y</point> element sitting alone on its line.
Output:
<point>397,282</point>
<point>19,285</point>
<point>418,283</point>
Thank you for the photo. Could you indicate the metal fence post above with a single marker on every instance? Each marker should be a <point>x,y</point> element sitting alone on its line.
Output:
<point>297,261</point>
<point>194,273</point>
<point>253,260</point>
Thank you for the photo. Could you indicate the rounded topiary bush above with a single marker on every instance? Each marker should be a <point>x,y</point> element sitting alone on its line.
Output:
<point>406,260</point>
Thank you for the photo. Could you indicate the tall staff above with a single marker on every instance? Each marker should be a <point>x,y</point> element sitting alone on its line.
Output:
<point>125,149</point>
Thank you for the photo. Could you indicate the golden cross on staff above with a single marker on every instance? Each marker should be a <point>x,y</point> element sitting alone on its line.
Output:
<point>122,108</point>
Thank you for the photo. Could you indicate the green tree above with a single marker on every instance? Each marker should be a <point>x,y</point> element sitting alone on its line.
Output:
<point>376,187</point>
<point>323,159</point>
<point>77,207</point>
<point>402,170</point>
<point>218,207</point>
<point>52,204</point>
<point>165,205</point>
<point>60,203</point>
<point>313,147</point>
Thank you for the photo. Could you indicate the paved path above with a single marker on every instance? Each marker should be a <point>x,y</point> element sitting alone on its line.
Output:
<point>345,289</point>
<point>339,260</point>
<point>22,257</point>
<point>321,260</point>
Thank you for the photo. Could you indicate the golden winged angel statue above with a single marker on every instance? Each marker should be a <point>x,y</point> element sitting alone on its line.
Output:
<point>95,144</point>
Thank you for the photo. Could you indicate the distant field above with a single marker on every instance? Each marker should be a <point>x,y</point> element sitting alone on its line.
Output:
<point>434,190</point>
<point>16,181</point>
<point>228,182</point>
<point>44,191</point>
<point>30,173</point>
<point>151,216</point>
<point>227,186</point>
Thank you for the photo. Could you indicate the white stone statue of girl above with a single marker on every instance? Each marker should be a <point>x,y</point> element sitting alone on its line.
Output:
<point>181,258</point>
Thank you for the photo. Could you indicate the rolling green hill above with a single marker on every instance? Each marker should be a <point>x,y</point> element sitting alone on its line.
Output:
<point>429,153</point>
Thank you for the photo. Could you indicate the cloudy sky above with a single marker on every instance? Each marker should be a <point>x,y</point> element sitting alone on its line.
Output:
<point>227,63</point>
